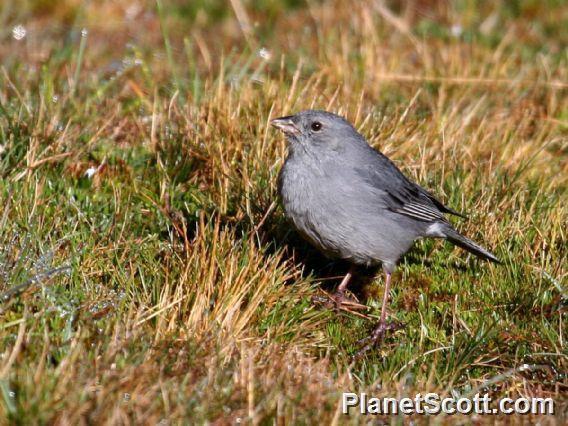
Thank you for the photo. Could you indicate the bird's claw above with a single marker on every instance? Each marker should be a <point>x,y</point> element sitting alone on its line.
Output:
<point>376,337</point>
<point>339,301</point>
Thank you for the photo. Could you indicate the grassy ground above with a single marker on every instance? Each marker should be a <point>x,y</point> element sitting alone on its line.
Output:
<point>147,272</point>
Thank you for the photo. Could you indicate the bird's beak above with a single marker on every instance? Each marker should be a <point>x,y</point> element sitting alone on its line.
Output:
<point>287,125</point>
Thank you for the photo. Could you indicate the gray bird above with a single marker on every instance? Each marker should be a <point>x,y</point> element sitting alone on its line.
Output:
<point>351,202</point>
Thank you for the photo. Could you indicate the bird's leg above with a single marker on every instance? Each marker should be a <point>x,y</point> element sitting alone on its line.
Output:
<point>382,321</point>
<point>339,300</point>
<point>379,332</point>
<point>340,292</point>
<point>342,301</point>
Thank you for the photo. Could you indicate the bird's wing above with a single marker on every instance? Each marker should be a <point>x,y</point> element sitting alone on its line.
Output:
<point>402,195</point>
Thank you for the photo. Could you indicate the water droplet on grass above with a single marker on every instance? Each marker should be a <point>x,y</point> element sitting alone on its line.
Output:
<point>456,30</point>
<point>19,32</point>
<point>90,172</point>
<point>265,54</point>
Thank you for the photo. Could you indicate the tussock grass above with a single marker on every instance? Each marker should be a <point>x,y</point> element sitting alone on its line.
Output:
<point>147,273</point>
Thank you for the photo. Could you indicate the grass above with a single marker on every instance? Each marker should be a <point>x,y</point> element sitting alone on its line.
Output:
<point>147,272</point>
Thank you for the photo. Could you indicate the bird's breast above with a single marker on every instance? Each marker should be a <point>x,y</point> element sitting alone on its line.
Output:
<point>296,187</point>
<point>317,207</point>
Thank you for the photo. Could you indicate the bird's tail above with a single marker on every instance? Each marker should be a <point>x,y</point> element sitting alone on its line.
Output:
<point>465,243</point>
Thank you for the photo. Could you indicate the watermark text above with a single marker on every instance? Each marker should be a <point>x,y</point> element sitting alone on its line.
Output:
<point>432,404</point>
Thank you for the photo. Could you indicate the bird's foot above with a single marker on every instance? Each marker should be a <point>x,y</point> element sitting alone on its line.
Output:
<point>339,301</point>
<point>377,337</point>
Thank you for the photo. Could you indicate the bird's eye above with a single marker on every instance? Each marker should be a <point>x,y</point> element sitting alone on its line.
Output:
<point>316,126</point>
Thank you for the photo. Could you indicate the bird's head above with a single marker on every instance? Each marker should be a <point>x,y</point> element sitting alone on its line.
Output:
<point>317,131</point>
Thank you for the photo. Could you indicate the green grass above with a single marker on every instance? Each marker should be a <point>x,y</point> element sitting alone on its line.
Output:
<point>147,271</point>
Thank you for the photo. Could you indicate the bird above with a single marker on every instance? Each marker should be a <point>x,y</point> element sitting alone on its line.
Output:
<point>352,202</point>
